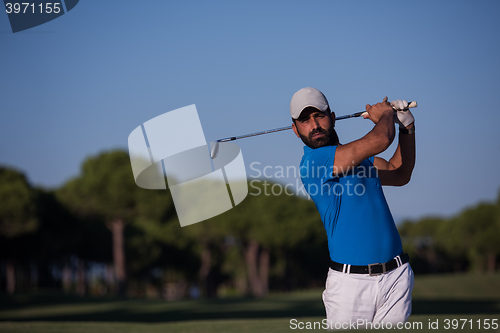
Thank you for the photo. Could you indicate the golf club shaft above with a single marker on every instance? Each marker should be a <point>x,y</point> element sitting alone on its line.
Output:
<point>215,147</point>
<point>232,138</point>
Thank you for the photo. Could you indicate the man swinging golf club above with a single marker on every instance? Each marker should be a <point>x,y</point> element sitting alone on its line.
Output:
<point>369,279</point>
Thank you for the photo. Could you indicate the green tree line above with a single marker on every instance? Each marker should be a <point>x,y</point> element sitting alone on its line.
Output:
<point>101,234</point>
<point>469,241</point>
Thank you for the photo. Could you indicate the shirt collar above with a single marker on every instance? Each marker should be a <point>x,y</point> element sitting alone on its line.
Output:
<point>308,149</point>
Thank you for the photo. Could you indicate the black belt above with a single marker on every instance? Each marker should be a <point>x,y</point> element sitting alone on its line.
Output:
<point>373,269</point>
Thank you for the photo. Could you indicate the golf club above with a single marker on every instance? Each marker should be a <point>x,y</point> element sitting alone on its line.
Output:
<point>215,149</point>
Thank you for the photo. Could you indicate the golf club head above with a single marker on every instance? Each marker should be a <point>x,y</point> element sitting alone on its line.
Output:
<point>215,150</point>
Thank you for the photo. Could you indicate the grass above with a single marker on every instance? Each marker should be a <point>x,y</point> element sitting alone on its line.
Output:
<point>457,286</point>
<point>440,297</point>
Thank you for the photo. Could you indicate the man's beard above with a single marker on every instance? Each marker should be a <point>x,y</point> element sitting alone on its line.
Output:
<point>329,138</point>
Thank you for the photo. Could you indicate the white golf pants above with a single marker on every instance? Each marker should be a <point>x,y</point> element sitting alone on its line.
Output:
<point>360,298</point>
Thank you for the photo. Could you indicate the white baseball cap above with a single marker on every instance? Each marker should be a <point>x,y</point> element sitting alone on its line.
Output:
<point>307,97</point>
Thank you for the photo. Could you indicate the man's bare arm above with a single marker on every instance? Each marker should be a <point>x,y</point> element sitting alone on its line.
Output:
<point>397,171</point>
<point>374,142</point>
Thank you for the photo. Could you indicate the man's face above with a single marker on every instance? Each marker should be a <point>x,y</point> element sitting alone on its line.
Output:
<point>315,128</point>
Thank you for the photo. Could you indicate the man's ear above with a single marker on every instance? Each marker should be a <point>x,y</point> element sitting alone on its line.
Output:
<point>332,117</point>
<point>295,130</point>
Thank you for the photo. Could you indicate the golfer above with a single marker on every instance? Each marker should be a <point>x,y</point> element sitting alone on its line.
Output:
<point>369,278</point>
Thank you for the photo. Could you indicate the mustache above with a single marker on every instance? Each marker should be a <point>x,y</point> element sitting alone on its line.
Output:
<point>318,130</point>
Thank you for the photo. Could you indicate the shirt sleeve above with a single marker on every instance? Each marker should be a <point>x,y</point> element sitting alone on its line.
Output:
<point>322,163</point>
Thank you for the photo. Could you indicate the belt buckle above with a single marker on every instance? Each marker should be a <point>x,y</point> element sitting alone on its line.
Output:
<point>375,274</point>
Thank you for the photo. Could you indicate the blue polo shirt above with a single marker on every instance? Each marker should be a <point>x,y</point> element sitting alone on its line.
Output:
<point>352,206</point>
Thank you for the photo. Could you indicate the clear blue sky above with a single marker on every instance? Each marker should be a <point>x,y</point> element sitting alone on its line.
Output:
<point>78,85</point>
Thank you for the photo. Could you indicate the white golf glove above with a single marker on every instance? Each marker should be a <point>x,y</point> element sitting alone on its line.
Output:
<point>404,116</point>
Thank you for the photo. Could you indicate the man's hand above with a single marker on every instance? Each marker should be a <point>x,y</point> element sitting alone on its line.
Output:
<point>375,112</point>
<point>404,118</point>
